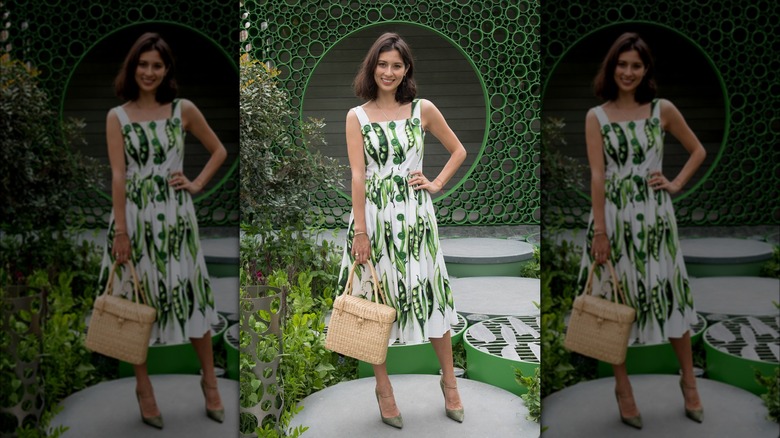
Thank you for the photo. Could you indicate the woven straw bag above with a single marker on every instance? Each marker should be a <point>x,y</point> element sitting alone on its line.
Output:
<point>120,328</point>
<point>600,328</point>
<point>358,327</point>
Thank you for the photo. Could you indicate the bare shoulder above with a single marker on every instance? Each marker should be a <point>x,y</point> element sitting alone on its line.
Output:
<point>187,105</point>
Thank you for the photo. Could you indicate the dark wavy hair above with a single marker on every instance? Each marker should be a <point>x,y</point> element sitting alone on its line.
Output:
<point>604,83</point>
<point>125,86</point>
<point>365,85</point>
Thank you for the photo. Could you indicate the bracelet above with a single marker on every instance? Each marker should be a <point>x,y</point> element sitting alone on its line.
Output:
<point>119,233</point>
<point>599,233</point>
<point>359,233</point>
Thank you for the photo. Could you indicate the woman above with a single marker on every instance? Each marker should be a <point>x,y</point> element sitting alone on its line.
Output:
<point>632,223</point>
<point>153,223</point>
<point>393,224</point>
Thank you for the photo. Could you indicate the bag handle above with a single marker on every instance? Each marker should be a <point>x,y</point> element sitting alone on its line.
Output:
<point>136,284</point>
<point>377,287</point>
<point>615,283</point>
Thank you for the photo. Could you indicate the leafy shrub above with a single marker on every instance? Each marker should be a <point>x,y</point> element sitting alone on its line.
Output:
<point>532,398</point>
<point>561,174</point>
<point>280,168</point>
<point>532,268</point>
<point>40,173</point>
<point>771,268</point>
<point>559,368</point>
<point>771,397</point>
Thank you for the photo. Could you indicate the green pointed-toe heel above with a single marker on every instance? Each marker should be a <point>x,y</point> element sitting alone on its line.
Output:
<point>217,415</point>
<point>635,422</point>
<point>696,415</point>
<point>156,421</point>
<point>397,421</point>
<point>453,414</point>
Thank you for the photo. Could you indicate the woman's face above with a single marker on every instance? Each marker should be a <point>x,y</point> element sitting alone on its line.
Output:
<point>150,71</point>
<point>629,71</point>
<point>390,70</point>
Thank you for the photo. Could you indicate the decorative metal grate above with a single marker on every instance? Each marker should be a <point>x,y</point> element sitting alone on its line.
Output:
<point>742,188</point>
<point>500,39</point>
<point>231,336</point>
<point>510,337</point>
<point>748,337</point>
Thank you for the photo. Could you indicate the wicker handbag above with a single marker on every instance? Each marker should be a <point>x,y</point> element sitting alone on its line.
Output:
<point>600,328</point>
<point>358,327</point>
<point>120,328</point>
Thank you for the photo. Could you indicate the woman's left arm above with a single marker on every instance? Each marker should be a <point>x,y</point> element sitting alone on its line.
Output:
<point>674,122</point>
<point>194,122</point>
<point>434,121</point>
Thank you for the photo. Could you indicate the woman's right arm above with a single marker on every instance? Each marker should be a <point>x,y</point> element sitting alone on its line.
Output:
<point>600,244</point>
<point>116,157</point>
<point>357,165</point>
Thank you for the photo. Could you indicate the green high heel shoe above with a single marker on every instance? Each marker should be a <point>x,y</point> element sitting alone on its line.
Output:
<point>156,421</point>
<point>696,415</point>
<point>453,414</point>
<point>217,415</point>
<point>635,422</point>
<point>397,421</point>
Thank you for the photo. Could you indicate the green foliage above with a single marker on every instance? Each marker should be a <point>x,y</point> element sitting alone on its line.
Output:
<point>40,172</point>
<point>532,398</point>
<point>561,174</point>
<point>559,368</point>
<point>532,268</point>
<point>771,268</point>
<point>771,397</point>
<point>280,167</point>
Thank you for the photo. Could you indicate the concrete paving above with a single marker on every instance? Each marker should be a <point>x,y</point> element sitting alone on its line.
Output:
<point>485,250</point>
<point>350,409</point>
<point>225,291</point>
<point>220,250</point>
<point>110,409</point>
<point>724,250</point>
<point>589,409</point>
<point>735,295</point>
<point>496,296</point>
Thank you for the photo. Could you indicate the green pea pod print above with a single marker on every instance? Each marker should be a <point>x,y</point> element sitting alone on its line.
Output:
<point>411,136</point>
<point>384,147</point>
<point>439,289</point>
<point>640,189</point>
<point>622,145</point>
<point>368,147</point>
<point>608,148</point>
<point>143,142</point>
<point>171,132</point>
<point>130,149</point>
<point>418,305</point>
<point>428,298</point>
<point>398,152</point>
<point>389,298</point>
<point>650,134</point>
<point>159,153</point>
<point>403,304</point>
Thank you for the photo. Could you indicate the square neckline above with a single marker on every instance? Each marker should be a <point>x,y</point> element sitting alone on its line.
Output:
<point>172,115</point>
<point>411,114</point>
<point>653,103</point>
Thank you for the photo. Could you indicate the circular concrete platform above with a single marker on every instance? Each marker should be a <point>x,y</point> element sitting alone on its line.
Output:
<point>222,256</point>
<point>482,256</point>
<point>735,295</point>
<point>225,291</point>
<point>724,256</point>
<point>350,409</point>
<point>110,409</point>
<point>589,409</point>
<point>496,296</point>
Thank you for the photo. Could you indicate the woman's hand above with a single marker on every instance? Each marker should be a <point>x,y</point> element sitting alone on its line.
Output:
<point>658,181</point>
<point>121,247</point>
<point>361,248</point>
<point>178,181</point>
<point>419,182</point>
<point>599,247</point>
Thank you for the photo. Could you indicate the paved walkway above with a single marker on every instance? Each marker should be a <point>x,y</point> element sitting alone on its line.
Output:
<point>350,410</point>
<point>110,409</point>
<point>589,409</point>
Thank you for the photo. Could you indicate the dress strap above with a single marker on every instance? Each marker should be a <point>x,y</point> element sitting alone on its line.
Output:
<point>601,115</point>
<point>655,111</point>
<point>416,109</point>
<point>361,115</point>
<point>120,112</point>
<point>176,109</point>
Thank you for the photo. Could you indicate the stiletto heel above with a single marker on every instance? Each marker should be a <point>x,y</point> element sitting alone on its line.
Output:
<point>453,414</point>
<point>396,421</point>
<point>696,415</point>
<point>156,421</point>
<point>635,422</point>
<point>217,415</point>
